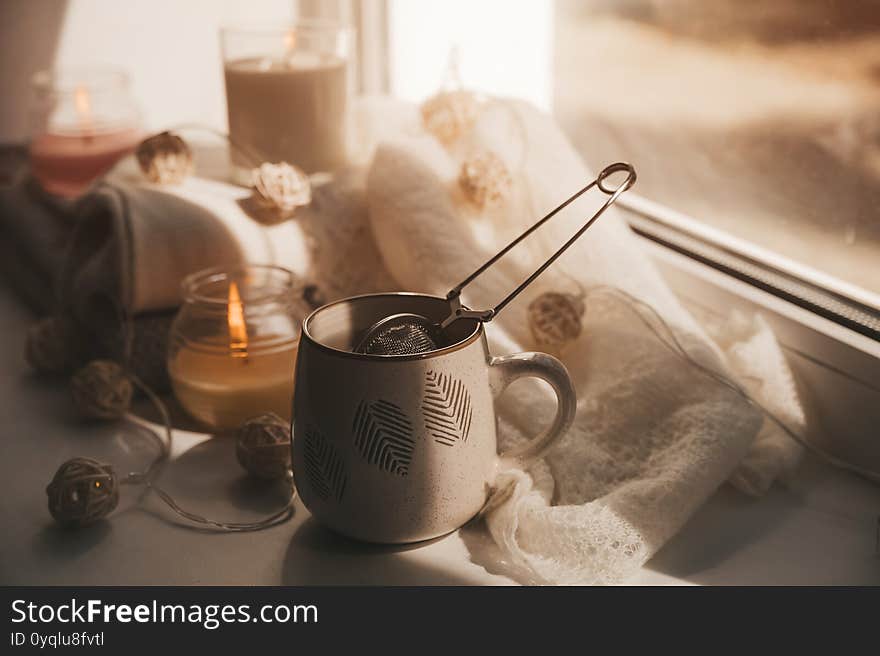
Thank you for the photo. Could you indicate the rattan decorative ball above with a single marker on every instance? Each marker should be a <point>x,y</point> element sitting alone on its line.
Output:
<point>485,180</point>
<point>556,318</point>
<point>280,189</point>
<point>50,345</point>
<point>101,390</point>
<point>165,158</point>
<point>263,446</point>
<point>449,114</point>
<point>82,492</point>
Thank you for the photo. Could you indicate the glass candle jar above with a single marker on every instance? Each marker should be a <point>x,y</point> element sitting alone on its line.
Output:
<point>232,346</point>
<point>82,122</point>
<point>287,95</point>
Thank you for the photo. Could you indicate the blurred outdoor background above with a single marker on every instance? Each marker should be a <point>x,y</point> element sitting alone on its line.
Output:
<point>758,118</point>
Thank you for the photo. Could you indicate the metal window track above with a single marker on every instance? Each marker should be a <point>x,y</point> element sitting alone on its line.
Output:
<point>830,305</point>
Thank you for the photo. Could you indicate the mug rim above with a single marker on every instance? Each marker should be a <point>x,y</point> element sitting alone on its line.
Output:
<point>467,341</point>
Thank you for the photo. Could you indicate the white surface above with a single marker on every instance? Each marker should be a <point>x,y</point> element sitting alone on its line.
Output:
<point>819,531</point>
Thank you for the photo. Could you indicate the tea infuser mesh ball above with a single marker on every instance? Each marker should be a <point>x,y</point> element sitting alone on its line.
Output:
<point>412,334</point>
<point>402,334</point>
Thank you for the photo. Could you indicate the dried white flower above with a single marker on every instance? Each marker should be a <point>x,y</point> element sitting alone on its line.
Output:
<point>281,187</point>
<point>448,114</point>
<point>485,180</point>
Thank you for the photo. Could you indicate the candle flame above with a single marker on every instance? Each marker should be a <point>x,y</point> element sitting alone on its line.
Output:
<point>82,102</point>
<point>238,339</point>
<point>290,41</point>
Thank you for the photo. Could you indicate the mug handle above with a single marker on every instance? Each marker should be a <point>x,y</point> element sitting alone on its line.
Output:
<point>505,369</point>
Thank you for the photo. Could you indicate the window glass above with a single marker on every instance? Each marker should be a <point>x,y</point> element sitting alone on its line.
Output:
<point>761,119</point>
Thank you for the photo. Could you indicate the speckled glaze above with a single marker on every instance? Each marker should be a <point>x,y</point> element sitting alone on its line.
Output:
<point>397,449</point>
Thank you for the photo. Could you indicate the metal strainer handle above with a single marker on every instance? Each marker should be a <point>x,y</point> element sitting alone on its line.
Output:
<point>459,312</point>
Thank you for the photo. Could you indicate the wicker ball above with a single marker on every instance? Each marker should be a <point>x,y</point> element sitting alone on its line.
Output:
<point>263,446</point>
<point>555,318</point>
<point>165,158</point>
<point>449,114</point>
<point>485,180</point>
<point>82,492</point>
<point>50,345</point>
<point>279,190</point>
<point>101,390</point>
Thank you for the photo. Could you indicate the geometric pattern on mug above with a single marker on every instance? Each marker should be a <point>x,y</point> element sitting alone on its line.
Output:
<point>447,408</point>
<point>383,435</point>
<point>324,467</point>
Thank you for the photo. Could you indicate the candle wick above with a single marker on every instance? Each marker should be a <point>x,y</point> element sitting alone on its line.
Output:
<point>240,352</point>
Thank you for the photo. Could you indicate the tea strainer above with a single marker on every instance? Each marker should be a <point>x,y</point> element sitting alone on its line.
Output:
<point>411,334</point>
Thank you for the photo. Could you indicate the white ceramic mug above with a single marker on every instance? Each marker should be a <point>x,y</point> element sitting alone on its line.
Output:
<point>391,448</point>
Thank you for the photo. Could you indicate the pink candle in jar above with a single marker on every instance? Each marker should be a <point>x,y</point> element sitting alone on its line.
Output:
<point>76,142</point>
<point>67,164</point>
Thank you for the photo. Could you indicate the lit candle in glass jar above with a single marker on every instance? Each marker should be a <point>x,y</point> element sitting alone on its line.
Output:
<point>232,357</point>
<point>84,122</point>
<point>287,95</point>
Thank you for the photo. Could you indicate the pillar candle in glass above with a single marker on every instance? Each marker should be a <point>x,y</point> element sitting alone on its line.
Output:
<point>82,122</point>
<point>287,95</point>
<point>233,345</point>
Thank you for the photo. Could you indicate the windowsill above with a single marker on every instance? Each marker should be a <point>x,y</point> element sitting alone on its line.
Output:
<point>727,241</point>
<point>818,529</point>
<point>837,368</point>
